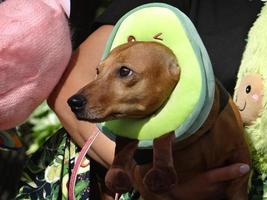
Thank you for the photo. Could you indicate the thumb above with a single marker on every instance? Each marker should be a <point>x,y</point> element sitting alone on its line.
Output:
<point>227,173</point>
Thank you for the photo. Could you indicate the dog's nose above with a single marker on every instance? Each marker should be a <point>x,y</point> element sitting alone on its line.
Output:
<point>77,103</point>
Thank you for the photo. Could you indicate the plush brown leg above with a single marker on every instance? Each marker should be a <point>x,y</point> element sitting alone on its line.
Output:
<point>162,176</point>
<point>119,177</point>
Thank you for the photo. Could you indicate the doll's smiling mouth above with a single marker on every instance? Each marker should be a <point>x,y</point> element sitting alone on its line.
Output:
<point>244,107</point>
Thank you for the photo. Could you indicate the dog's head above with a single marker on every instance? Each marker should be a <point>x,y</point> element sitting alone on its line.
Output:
<point>132,82</point>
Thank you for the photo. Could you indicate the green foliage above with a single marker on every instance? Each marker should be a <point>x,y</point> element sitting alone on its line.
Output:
<point>40,126</point>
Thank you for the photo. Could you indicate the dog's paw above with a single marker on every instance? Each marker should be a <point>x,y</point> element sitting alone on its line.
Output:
<point>159,181</point>
<point>118,180</point>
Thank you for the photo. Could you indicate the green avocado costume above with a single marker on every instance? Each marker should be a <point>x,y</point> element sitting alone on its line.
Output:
<point>182,115</point>
<point>189,104</point>
<point>251,89</point>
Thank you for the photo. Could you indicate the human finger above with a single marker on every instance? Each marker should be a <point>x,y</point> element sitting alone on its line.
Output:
<point>226,173</point>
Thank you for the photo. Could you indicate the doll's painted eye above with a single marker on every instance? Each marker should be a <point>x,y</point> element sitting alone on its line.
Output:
<point>157,37</point>
<point>131,39</point>
<point>248,89</point>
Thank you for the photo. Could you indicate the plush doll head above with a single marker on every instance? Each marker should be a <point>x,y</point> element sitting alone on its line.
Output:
<point>251,89</point>
<point>35,48</point>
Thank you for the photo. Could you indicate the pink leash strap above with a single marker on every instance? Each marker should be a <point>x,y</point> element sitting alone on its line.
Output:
<point>77,164</point>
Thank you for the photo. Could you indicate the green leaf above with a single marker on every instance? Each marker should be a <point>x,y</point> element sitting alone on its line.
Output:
<point>80,186</point>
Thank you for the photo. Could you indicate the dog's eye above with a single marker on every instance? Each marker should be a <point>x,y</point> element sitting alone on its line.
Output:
<point>125,71</point>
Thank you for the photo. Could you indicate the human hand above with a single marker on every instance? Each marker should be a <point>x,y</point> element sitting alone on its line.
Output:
<point>209,185</point>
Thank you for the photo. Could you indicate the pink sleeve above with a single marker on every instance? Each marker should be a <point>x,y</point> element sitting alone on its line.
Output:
<point>35,48</point>
<point>65,4</point>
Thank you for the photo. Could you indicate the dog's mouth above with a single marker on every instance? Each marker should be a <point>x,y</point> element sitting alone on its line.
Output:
<point>117,115</point>
<point>96,118</point>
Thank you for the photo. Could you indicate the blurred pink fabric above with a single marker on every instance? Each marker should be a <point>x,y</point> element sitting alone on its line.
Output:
<point>35,48</point>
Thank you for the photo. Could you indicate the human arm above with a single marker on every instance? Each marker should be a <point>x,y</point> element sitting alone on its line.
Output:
<point>82,70</point>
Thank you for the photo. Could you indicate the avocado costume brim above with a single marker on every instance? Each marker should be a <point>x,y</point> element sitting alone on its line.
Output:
<point>190,102</point>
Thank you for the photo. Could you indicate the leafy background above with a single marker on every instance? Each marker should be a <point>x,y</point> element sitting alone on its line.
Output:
<point>39,127</point>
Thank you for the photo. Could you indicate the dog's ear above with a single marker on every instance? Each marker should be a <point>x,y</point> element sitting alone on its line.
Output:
<point>174,69</point>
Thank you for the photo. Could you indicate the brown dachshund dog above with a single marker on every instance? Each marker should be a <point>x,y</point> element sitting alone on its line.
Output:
<point>134,81</point>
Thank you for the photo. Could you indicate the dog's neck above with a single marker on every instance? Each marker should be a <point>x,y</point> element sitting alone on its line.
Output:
<point>144,156</point>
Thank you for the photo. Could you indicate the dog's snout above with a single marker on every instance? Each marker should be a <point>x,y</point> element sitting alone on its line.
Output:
<point>77,103</point>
